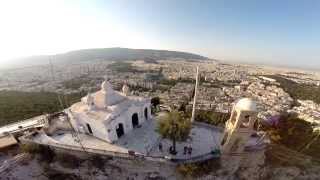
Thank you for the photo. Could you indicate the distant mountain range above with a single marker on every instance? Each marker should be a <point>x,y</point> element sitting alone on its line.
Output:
<point>108,54</point>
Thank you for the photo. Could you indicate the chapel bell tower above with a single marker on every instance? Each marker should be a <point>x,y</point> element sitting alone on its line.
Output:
<point>239,127</point>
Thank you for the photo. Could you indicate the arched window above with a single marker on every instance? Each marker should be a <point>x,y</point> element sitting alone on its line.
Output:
<point>245,122</point>
<point>120,130</point>
<point>89,128</point>
<point>135,120</point>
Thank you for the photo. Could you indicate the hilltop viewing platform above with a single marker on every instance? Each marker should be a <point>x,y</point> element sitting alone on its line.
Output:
<point>142,142</point>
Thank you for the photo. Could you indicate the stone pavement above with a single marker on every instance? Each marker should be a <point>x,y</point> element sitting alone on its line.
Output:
<point>203,140</point>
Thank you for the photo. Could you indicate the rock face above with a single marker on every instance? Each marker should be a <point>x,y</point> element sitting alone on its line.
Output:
<point>252,166</point>
<point>245,166</point>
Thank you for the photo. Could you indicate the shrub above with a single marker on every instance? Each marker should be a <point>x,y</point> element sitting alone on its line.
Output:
<point>174,125</point>
<point>199,169</point>
<point>98,162</point>
<point>155,101</point>
<point>296,134</point>
<point>211,117</point>
<point>53,174</point>
<point>44,153</point>
<point>30,148</point>
<point>68,160</point>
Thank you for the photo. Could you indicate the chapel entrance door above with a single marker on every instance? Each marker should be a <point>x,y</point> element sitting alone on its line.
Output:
<point>120,130</point>
<point>135,120</point>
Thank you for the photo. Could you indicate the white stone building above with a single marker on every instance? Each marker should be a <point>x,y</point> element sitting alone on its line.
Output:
<point>239,127</point>
<point>108,114</point>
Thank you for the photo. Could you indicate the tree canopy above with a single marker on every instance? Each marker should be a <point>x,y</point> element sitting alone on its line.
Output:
<point>295,133</point>
<point>298,90</point>
<point>174,125</point>
<point>155,101</point>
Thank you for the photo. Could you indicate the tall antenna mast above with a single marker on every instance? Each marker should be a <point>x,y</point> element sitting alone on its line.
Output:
<point>195,96</point>
<point>51,69</point>
<point>53,80</point>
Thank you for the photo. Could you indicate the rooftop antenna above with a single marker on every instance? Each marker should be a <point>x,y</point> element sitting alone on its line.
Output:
<point>180,73</point>
<point>53,79</point>
<point>51,69</point>
<point>195,96</point>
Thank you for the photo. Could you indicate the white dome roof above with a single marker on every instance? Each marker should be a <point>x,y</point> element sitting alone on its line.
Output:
<point>125,88</point>
<point>246,104</point>
<point>106,86</point>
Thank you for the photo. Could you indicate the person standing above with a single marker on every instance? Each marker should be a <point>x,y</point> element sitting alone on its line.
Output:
<point>185,150</point>
<point>190,150</point>
<point>160,147</point>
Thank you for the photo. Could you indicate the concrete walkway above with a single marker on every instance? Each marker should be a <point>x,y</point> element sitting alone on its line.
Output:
<point>38,121</point>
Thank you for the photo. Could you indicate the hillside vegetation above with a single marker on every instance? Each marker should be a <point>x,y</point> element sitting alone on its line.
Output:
<point>296,134</point>
<point>16,105</point>
<point>298,90</point>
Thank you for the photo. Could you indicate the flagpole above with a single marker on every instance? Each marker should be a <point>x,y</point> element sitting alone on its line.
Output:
<point>195,96</point>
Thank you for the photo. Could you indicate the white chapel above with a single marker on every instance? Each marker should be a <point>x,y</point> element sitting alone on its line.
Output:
<point>108,114</point>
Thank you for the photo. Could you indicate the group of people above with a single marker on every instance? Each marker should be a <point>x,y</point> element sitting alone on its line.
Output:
<point>186,149</point>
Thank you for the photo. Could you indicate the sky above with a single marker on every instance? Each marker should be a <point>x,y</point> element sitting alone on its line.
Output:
<point>283,32</point>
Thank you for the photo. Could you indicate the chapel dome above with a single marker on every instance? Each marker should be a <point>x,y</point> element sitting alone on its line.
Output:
<point>125,89</point>
<point>90,99</point>
<point>246,104</point>
<point>105,86</point>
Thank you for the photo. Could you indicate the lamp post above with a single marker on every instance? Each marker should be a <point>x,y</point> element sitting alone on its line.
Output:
<point>173,134</point>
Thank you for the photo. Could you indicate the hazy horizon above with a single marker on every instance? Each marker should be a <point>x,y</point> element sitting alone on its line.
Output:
<point>282,33</point>
<point>16,64</point>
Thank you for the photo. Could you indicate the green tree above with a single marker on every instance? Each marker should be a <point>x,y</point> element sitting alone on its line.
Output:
<point>155,101</point>
<point>174,126</point>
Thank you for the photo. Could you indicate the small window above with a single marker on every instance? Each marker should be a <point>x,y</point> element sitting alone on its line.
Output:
<point>89,128</point>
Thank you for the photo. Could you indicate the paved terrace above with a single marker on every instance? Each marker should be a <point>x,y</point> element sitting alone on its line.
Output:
<point>203,140</point>
<point>144,141</point>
